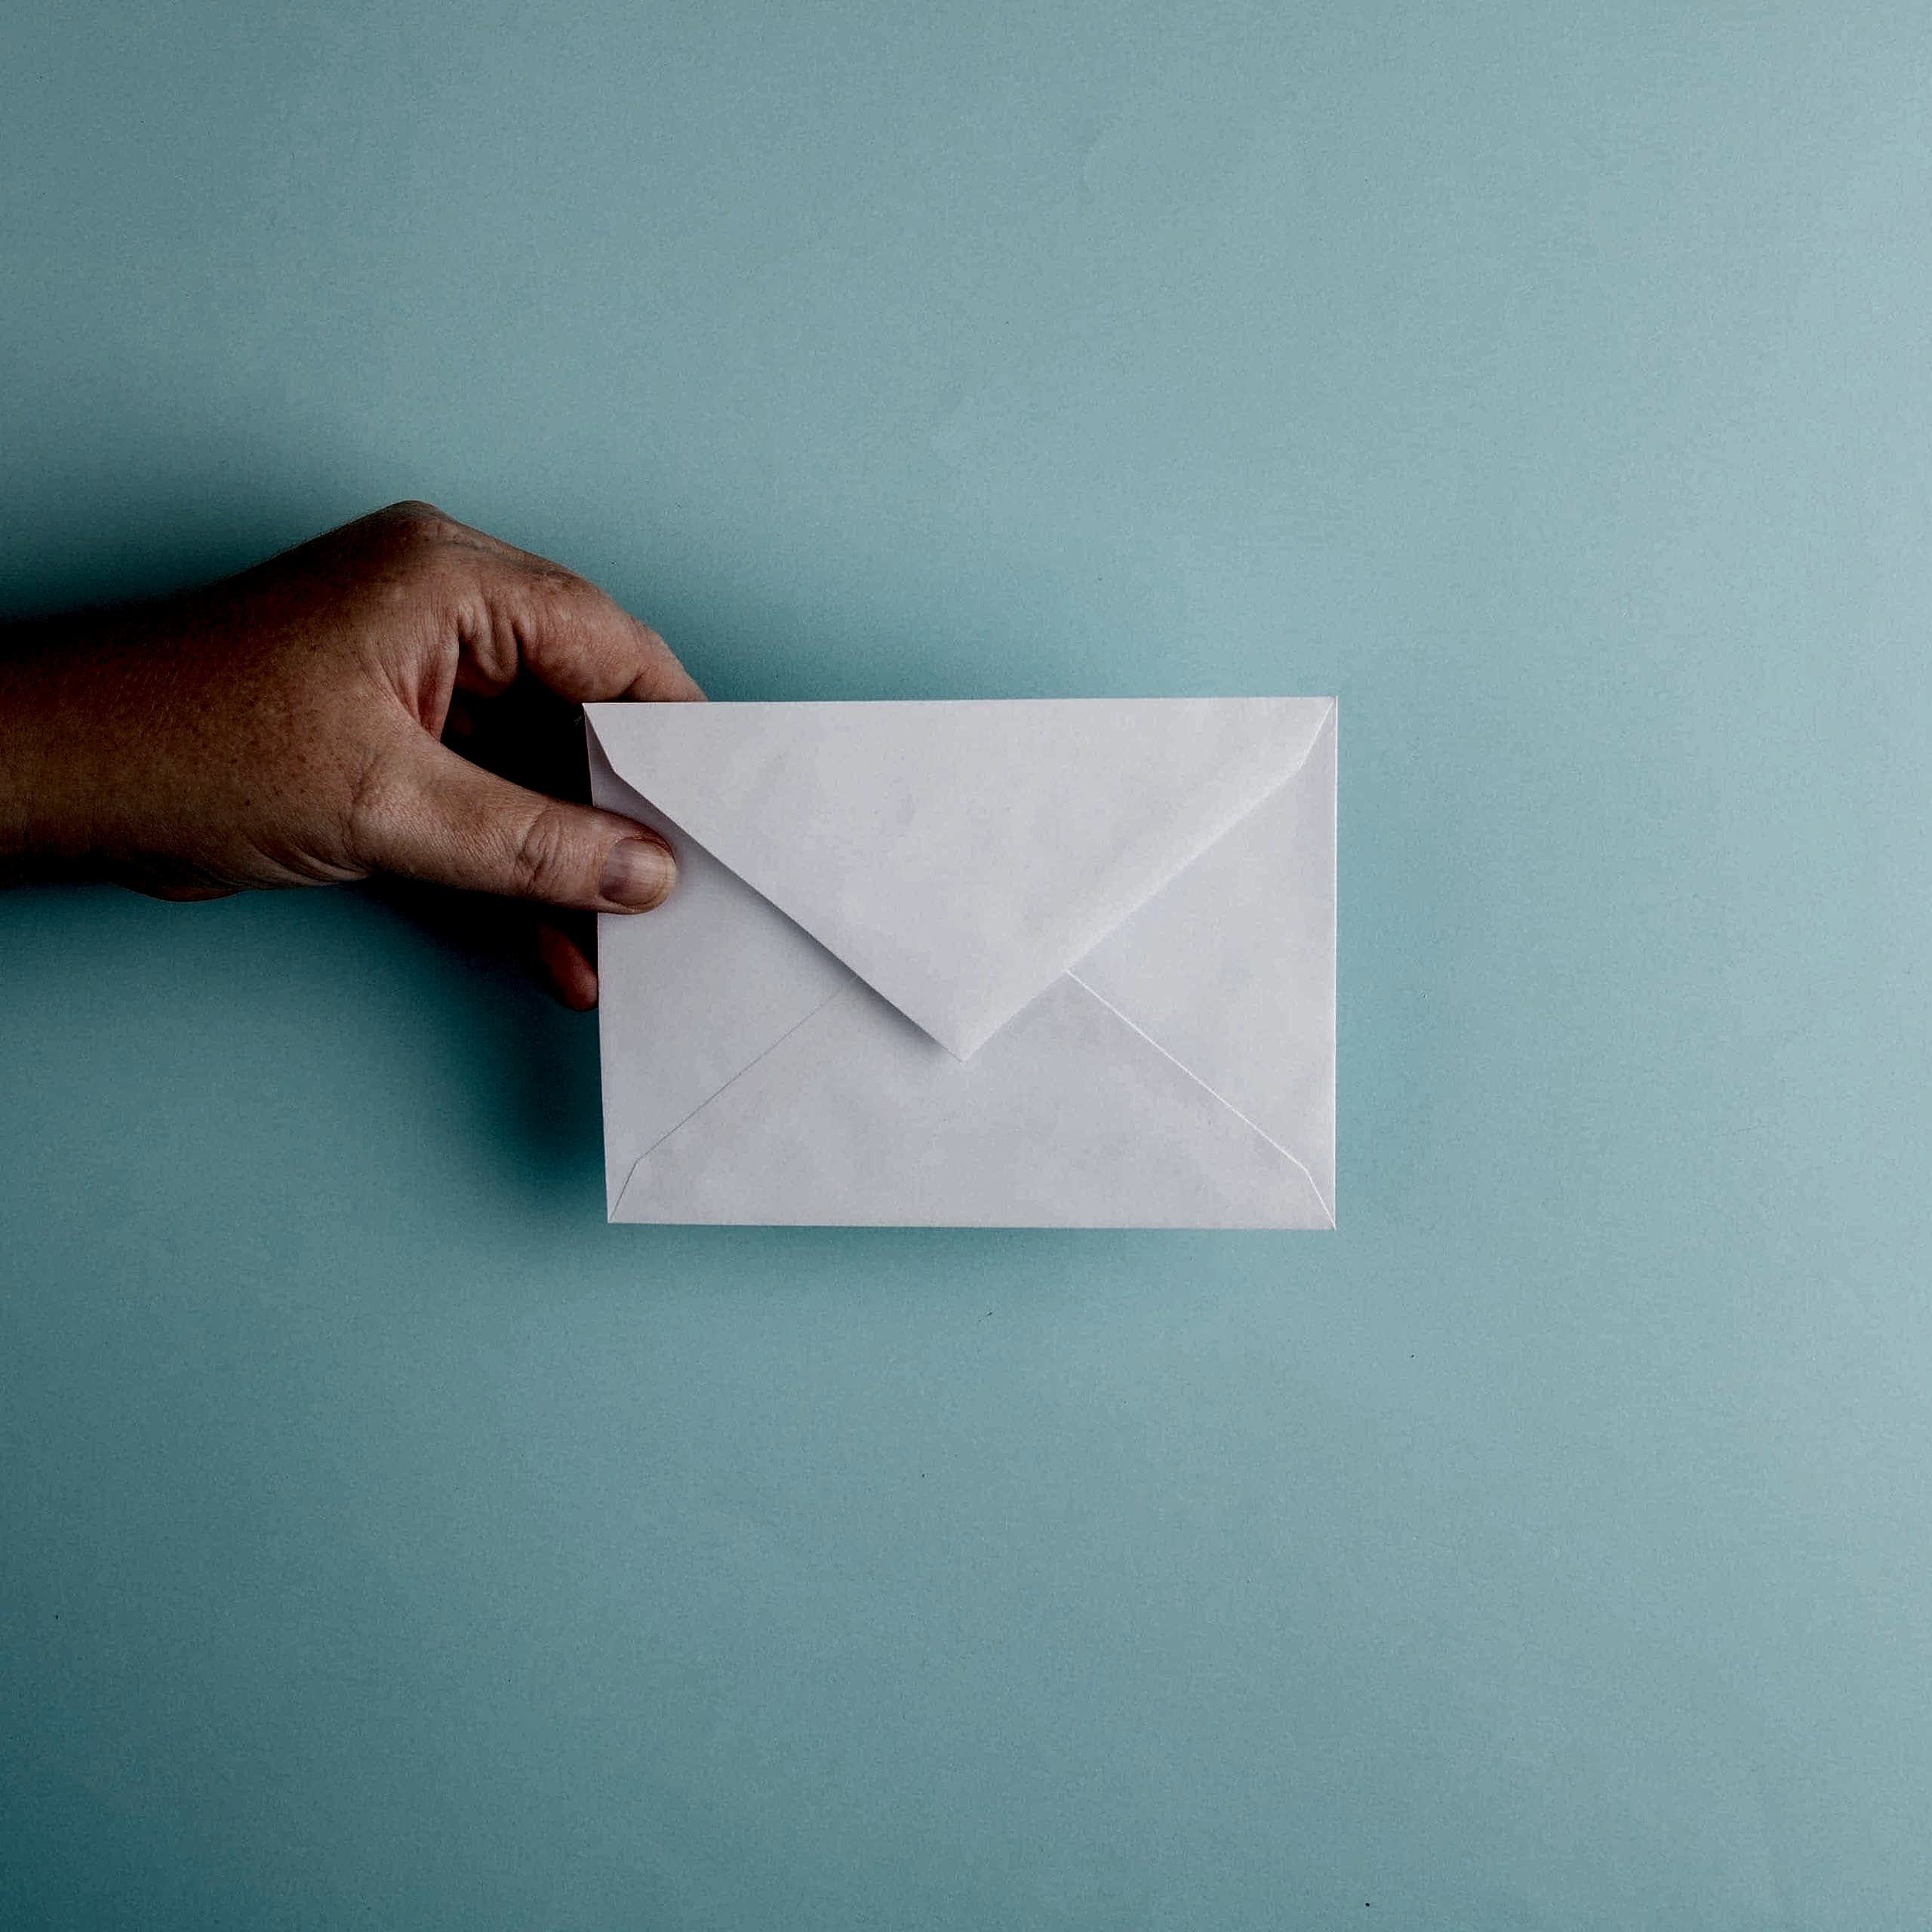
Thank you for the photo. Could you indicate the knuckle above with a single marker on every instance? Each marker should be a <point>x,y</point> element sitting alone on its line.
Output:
<point>543,858</point>
<point>553,607</point>
<point>418,527</point>
<point>557,593</point>
<point>412,509</point>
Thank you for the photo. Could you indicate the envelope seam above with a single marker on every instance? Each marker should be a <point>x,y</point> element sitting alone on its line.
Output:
<point>1148,897</point>
<point>1300,1166</point>
<point>678,1127</point>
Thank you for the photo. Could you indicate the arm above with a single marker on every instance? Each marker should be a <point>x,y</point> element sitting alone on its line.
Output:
<point>286,727</point>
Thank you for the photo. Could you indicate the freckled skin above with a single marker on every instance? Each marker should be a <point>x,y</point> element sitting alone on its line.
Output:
<point>295,725</point>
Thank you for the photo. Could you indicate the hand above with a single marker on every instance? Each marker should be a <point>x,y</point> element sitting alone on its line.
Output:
<point>288,727</point>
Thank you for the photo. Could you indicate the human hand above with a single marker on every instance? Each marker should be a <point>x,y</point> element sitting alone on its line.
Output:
<point>293,725</point>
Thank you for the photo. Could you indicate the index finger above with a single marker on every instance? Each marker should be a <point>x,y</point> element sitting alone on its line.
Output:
<point>569,635</point>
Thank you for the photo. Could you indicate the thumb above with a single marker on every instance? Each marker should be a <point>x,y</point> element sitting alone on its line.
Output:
<point>442,819</point>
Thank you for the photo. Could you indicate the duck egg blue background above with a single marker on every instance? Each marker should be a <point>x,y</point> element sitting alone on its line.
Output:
<point>385,1541</point>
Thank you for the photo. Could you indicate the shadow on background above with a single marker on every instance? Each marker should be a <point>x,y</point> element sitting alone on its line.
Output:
<point>538,1061</point>
<point>205,507</point>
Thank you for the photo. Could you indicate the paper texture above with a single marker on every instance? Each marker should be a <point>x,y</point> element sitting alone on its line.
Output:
<point>1015,963</point>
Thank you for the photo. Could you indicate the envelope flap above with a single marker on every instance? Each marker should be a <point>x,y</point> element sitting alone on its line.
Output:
<point>958,856</point>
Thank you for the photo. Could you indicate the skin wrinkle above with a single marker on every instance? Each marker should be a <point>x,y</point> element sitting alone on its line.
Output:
<point>358,809</point>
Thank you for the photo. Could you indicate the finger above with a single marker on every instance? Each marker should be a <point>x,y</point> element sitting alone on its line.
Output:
<point>432,815</point>
<point>569,634</point>
<point>562,967</point>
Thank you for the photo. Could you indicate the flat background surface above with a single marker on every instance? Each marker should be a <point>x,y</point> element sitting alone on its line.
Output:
<point>385,1541</point>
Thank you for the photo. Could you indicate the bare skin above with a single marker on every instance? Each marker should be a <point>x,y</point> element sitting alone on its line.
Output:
<point>296,725</point>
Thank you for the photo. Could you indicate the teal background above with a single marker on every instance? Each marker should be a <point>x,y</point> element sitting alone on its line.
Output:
<point>385,1541</point>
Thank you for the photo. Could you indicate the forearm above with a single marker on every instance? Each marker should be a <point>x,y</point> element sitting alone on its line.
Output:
<point>42,717</point>
<point>108,767</point>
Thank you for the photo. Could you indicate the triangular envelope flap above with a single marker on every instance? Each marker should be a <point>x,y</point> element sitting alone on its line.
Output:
<point>958,856</point>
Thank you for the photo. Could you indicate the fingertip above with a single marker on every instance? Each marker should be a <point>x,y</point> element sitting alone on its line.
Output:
<point>663,678</point>
<point>567,974</point>
<point>638,872</point>
<point>665,681</point>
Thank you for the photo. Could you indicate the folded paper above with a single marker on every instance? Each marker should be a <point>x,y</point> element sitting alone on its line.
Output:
<point>1011,963</point>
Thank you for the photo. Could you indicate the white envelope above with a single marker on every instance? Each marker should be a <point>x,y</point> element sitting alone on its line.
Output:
<point>1065,963</point>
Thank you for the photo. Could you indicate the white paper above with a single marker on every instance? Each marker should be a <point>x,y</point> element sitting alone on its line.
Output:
<point>1017,962</point>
